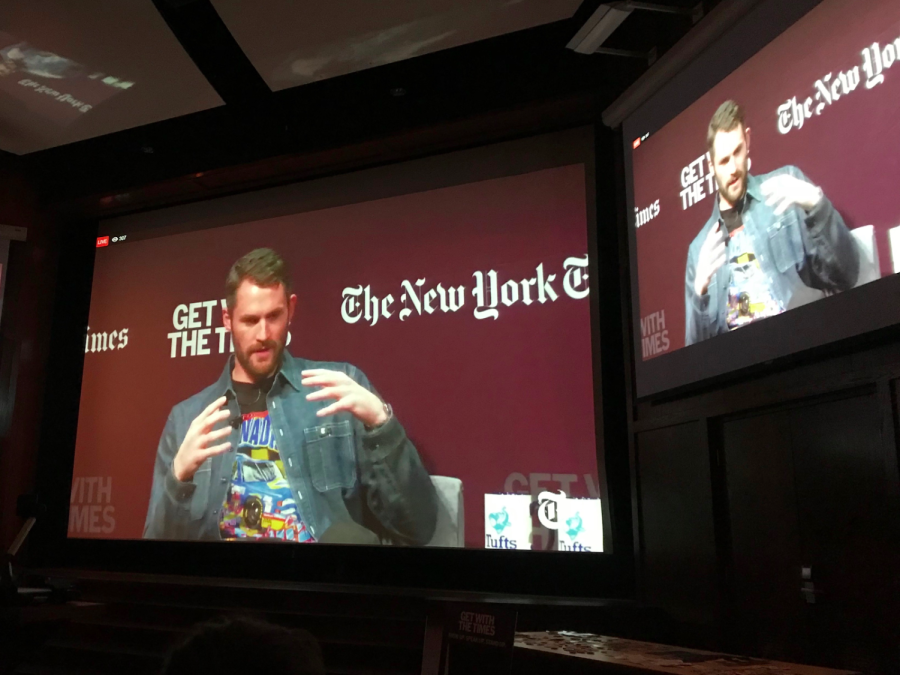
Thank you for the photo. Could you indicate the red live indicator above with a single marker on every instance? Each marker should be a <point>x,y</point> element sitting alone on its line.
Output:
<point>636,144</point>
<point>102,241</point>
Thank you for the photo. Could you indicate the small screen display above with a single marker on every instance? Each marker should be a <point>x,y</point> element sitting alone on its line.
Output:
<point>773,191</point>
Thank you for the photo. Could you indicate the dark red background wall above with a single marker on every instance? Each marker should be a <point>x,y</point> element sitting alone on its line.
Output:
<point>850,150</point>
<point>481,399</point>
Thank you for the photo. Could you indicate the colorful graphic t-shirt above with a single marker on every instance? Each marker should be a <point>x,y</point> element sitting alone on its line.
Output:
<point>750,295</point>
<point>259,503</point>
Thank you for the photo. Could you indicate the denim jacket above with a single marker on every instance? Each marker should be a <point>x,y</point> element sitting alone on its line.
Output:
<point>794,249</point>
<point>337,470</point>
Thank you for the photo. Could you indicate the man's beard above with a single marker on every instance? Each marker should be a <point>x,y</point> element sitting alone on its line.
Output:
<point>739,189</point>
<point>245,359</point>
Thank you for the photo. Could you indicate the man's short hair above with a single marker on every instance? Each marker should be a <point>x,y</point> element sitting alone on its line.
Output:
<point>727,118</point>
<point>244,645</point>
<point>263,266</point>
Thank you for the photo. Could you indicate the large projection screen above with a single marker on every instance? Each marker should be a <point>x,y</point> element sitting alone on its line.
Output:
<point>461,285</point>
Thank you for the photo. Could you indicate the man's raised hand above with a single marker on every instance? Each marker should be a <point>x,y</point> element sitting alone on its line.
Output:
<point>200,441</point>
<point>711,258</point>
<point>348,394</point>
<point>783,191</point>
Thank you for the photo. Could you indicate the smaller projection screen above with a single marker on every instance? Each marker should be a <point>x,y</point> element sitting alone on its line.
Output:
<point>764,214</point>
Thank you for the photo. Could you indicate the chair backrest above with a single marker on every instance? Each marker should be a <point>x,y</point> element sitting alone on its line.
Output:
<point>869,265</point>
<point>894,237</point>
<point>451,524</point>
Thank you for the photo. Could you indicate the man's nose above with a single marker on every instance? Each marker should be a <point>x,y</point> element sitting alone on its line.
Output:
<point>262,331</point>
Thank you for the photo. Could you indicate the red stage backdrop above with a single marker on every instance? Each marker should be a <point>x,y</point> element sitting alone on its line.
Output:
<point>825,97</point>
<point>497,392</point>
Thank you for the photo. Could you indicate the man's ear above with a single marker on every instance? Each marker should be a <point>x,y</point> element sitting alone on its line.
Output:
<point>226,318</point>
<point>292,305</point>
<point>747,139</point>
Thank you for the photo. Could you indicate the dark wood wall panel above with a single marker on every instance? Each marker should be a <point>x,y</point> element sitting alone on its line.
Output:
<point>808,487</point>
<point>741,484</point>
<point>811,484</point>
<point>764,529</point>
<point>838,456</point>
<point>678,548</point>
<point>768,386</point>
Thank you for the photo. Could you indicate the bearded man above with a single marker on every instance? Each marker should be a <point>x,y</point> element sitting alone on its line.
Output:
<point>282,448</point>
<point>768,237</point>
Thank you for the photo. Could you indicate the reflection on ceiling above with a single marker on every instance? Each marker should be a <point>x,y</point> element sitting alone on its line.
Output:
<point>75,70</point>
<point>292,43</point>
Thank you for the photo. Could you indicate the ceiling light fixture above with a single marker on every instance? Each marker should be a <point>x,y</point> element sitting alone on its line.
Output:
<point>599,27</point>
<point>608,17</point>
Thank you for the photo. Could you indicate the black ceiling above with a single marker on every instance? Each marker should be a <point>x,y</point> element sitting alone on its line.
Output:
<point>505,73</point>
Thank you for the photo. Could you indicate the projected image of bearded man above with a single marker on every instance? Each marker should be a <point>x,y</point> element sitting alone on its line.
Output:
<point>284,448</point>
<point>768,237</point>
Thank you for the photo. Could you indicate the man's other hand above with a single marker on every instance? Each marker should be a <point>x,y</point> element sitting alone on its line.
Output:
<point>783,192</point>
<point>199,442</point>
<point>711,258</point>
<point>348,394</point>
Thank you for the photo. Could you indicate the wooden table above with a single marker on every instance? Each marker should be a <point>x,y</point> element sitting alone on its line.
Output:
<point>619,655</point>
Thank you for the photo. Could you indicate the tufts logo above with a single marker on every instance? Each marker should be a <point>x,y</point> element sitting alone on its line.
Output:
<point>574,525</point>
<point>499,520</point>
<point>500,542</point>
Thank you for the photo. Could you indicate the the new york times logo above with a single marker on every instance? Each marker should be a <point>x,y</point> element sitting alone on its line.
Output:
<point>830,88</point>
<point>488,292</point>
<point>548,509</point>
<point>102,341</point>
<point>644,216</point>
